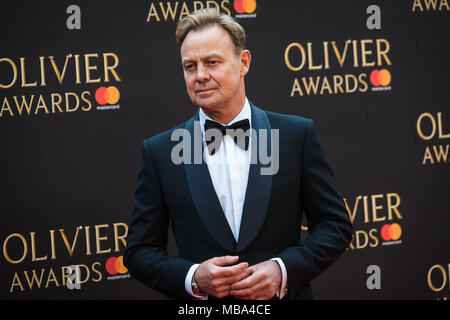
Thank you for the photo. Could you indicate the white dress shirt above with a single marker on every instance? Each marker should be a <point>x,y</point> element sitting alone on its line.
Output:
<point>229,167</point>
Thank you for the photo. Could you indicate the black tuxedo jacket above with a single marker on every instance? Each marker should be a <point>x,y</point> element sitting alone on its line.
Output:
<point>183,195</point>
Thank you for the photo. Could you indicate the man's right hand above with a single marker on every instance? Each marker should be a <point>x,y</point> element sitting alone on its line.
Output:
<point>215,276</point>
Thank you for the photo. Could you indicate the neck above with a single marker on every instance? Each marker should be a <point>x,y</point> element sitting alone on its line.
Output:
<point>225,115</point>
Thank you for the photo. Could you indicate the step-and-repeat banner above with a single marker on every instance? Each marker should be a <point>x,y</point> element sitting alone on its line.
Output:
<point>82,83</point>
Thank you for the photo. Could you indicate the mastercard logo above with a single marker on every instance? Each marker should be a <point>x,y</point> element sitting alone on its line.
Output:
<point>114,265</point>
<point>391,232</point>
<point>244,6</point>
<point>380,77</point>
<point>108,95</point>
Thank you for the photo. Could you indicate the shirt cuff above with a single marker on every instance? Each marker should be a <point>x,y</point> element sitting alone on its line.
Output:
<point>188,283</point>
<point>281,292</point>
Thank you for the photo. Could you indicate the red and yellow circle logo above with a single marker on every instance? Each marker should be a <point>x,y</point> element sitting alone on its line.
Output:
<point>114,265</point>
<point>244,6</point>
<point>391,232</point>
<point>110,95</point>
<point>380,77</point>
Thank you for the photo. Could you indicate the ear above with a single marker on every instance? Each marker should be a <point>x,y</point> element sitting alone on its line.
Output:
<point>245,58</point>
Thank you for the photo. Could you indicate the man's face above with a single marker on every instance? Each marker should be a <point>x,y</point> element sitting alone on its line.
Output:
<point>214,74</point>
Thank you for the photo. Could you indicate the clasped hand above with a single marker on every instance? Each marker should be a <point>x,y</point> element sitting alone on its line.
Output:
<point>218,277</point>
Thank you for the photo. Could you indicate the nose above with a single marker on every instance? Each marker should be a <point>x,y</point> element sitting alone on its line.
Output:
<point>202,74</point>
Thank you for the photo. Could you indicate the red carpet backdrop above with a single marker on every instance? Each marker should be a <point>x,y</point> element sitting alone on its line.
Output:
<point>82,83</point>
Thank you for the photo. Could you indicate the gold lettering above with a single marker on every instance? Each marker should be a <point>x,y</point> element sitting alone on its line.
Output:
<point>376,207</point>
<point>34,278</point>
<point>430,3</point>
<point>427,156</point>
<point>122,237</point>
<point>5,102</point>
<point>444,278</point>
<point>311,85</point>
<point>86,100</point>
<point>326,85</point>
<point>419,126</point>
<point>365,52</point>
<point>286,56</point>
<point>170,10</point>
<point>338,80</point>
<point>33,249</point>
<point>24,103</point>
<point>24,81</point>
<point>98,238</point>
<point>77,69</point>
<point>310,58</point>
<point>153,13</point>
<point>441,135</point>
<point>441,154</point>
<point>366,209</point>
<point>25,248</point>
<point>88,240</point>
<point>325,55</point>
<point>14,69</point>
<point>364,83</point>
<point>70,248</point>
<point>56,103</point>
<point>52,244</point>
<point>417,4</point>
<point>97,272</point>
<point>16,282</point>
<point>355,54</point>
<point>442,3</point>
<point>112,68</point>
<point>393,207</point>
<point>339,57</point>
<point>41,60</point>
<point>184,11</point>
<point>68,109</point>
<point>372,236</point>
<point>88,66</point>
<point>347,85</point>
<point>383,53</point>
<point>56,69</point>
<point>223,6</point>
<point>51,278</point>
<point>41,105</point>
<point>296,88</point>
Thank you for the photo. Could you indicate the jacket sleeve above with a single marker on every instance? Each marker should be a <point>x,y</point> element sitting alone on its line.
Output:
<point>329,226</point>
<point>145,255</point>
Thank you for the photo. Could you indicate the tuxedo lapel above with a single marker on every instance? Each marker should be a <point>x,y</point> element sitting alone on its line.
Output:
<point>259,186</point>
<point>202,190</point>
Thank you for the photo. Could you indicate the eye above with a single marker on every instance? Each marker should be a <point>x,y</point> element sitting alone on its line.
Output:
<point>189,67</point>
<point>213,62</point>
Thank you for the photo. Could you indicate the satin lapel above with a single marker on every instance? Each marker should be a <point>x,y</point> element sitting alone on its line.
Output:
<point>202,190</point>
<point>259,186</point>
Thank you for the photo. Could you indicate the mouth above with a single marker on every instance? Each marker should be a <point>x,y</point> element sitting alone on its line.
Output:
<point>204,91</point>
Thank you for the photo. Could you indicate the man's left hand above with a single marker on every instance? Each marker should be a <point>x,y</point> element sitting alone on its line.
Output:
<point>262,284</point>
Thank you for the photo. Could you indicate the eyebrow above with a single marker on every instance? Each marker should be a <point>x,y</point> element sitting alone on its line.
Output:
<point>207,57</point>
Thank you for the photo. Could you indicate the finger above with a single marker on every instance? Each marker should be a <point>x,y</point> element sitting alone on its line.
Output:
<point>242,274</point>
<point>258,291</point>
<point>224,260</point>
<point>246,282</point>
<point>225,272</point>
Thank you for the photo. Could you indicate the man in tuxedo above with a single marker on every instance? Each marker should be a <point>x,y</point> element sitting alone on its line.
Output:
<point>238,229</point>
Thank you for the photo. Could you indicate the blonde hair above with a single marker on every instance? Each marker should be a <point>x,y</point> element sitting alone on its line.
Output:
<point>203,18</point>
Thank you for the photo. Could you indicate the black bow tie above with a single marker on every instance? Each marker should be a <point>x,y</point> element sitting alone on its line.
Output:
<point>241,138</point>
